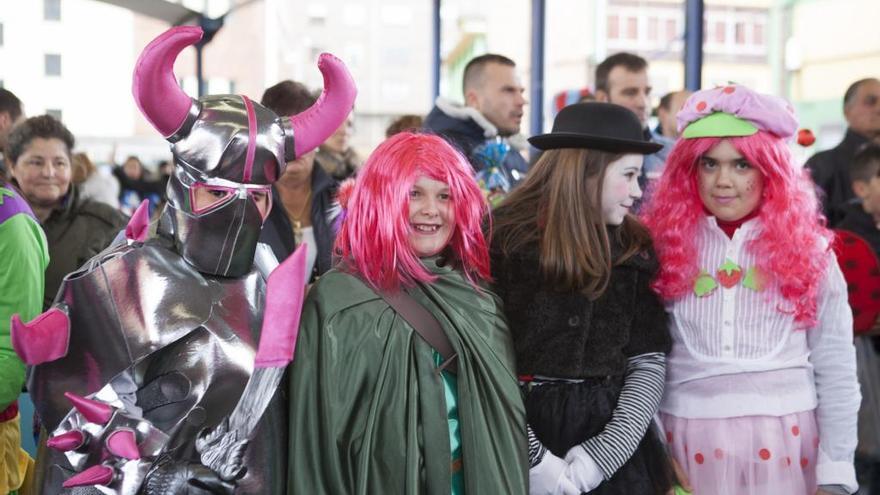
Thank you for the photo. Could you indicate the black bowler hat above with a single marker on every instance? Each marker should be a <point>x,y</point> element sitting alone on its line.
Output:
<point>595,125</point>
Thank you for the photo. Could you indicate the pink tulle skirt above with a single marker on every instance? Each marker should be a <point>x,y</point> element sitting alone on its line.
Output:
<point>750,455</point>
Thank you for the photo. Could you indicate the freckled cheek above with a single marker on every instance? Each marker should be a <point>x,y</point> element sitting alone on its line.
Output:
<point>704,185</point>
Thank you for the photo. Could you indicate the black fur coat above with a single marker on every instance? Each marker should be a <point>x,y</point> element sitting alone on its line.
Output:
<point>564,334</point>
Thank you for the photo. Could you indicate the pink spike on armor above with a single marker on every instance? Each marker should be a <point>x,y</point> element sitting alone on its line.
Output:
<point>43,339</point>
<point>155,88</point>
<point>284,297</point>
<point>122,443</point>
<point>95,475</point>
<point>64,442</point>
<point>92,410</point>
<point>139,225</point>
<point>313,126</point>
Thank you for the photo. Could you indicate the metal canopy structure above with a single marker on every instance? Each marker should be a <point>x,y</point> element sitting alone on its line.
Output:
<point>177,14</point>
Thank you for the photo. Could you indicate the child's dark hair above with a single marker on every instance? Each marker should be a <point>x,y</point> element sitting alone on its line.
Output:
<point>865,164</point>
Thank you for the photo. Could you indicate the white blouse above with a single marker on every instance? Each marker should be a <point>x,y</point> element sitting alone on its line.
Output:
<point>735,353</point>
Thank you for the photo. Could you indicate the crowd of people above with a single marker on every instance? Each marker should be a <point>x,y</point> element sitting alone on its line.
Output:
<point>638,311</point>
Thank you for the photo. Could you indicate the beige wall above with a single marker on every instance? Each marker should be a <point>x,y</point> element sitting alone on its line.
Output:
<point>837,42</point>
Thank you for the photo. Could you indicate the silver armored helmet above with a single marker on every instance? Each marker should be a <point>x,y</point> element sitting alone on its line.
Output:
<point>228,150</point>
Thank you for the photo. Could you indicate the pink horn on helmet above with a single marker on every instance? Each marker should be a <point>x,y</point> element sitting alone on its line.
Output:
<point>154,86</point>
<point>313,126</point>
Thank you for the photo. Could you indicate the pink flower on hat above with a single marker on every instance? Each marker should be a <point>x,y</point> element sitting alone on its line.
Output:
<point>766,112</point>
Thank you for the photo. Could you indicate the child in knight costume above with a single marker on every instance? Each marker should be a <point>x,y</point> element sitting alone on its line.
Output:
<point>154,341</point>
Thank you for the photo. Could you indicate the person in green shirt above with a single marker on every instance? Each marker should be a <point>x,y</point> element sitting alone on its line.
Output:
<point>373,410</point>
<point>24,256</point>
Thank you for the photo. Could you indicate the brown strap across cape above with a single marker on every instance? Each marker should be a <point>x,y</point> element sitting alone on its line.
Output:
<point>424,323</point>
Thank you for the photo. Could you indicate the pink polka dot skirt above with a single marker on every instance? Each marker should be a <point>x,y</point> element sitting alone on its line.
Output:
<point>752,455</point>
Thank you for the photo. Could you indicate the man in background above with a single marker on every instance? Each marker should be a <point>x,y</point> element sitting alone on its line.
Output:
<point>486,128</point>
<point>10,114</point>
<point>622,79</point>
<point>830,168</point>
<point>670,104</point>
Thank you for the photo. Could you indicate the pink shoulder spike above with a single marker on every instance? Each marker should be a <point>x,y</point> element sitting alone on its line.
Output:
<point>139,225</point>
<point>284,298</point>
<point>122,443</point>
<point>43,339</point>
<point>95,475</point>
<point>64,442</point>
<point>92,410</point>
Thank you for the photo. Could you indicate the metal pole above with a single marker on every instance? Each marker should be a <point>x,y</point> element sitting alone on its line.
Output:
<point>693,45</point>
<point>536,81</point>
<point>200,78</point>
<point>435,69</point>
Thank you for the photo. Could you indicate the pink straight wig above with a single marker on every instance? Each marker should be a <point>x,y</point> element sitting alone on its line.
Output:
<point>791,250</point>
<point>374,236</point>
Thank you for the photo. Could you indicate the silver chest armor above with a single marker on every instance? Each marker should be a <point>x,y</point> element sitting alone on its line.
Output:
<point>185,341</point>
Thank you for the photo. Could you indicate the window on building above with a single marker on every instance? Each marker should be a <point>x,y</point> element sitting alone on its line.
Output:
<point>758,34</point>
<point>52,10</point>
<point>671,31</point>
<point>653,28</point>
<point>632,28</point>
<point>613,27</point>
<point>53,64</point>
<point>316,14</point>
<point>54,112</point>
<point>740,33</point>
<point>720,32</point>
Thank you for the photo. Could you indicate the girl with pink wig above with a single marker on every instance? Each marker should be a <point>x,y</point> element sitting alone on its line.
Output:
<point>379,403</point>
<point>761,392</point>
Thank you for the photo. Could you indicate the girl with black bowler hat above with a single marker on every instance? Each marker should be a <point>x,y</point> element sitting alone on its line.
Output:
<point>573,268</point>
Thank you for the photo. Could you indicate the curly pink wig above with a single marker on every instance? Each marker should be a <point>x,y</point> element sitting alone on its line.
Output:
<point>791,250</point>
<point>374,237</point>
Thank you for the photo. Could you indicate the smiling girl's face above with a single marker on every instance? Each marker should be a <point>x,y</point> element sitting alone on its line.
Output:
<point>431,217</point>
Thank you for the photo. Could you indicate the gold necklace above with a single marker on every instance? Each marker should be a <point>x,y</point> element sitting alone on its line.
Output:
<point>297,222</point>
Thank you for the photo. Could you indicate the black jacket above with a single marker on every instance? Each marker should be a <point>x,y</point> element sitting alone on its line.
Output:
<point>564,334</point>
<point>462,131</point>
<point>830,171</point>
<point>859,222</point>
<point>76,231</point>
<point>278,232</point>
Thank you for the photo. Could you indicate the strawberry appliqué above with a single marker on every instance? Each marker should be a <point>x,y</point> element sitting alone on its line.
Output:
<point>729,274</point>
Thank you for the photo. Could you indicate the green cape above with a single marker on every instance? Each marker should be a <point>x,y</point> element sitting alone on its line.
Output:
<point>368,412</point>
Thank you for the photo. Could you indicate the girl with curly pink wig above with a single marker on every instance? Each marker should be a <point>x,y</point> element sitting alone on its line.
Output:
<point>375,405</point>
<point>761,393</point>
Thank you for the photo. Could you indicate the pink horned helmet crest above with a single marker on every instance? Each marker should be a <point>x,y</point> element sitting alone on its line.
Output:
<point>230,145</point>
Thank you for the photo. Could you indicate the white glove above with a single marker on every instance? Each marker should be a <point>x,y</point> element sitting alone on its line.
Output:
<point>548,477</point>
<point>582,469</point>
